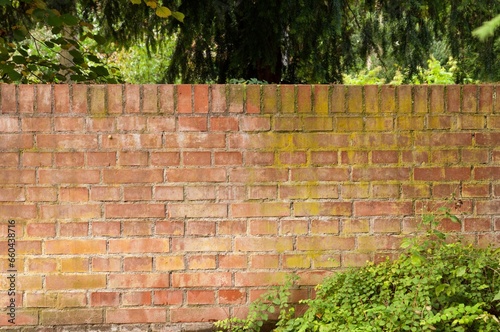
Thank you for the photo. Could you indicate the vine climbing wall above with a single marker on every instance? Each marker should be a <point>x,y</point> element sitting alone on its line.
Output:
<point>166,207</point>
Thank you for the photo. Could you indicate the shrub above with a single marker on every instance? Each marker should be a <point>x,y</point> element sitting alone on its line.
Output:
<point>437,284</point>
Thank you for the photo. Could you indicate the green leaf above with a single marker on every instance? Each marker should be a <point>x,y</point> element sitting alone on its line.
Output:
<point>163,12</point>
<point>100,70</point>
<point>497,297</point>
<point>54,21</point>
<point>136,2</point>
<point>69,19</point>
<point>178,16</point>
<point>19,59</point>
<point>5,2</point>
<point>461,271</point>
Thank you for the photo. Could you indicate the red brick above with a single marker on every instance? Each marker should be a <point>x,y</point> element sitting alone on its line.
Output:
<point>184,95</point>
<point>488,207</point>
<point>41,194</point>
<point>136,315</point>
<point>79,98</point>
<point>208,210</point>
<point>68,176</point>
<point>279,244</point>
<point>33,159</point>
<point>66,141</point>
<point>130,281</point>
<point>137,264</point>
<point>477,225</point>
<point>161,124</point>
<point>97,99</point>
<point>262,192</point>
<point>445,157</point>
<point>195,140</point>
<point>263,227</point>
<point>232,227</point>
<point>388,98</point>
<point>107,228</point>
<point>169,263</point>
<point>42,265</point>
<point>196,175</point>
<point>74,246</point>
<point>12,195</point>
<point>136,298</point>
<point>293,158</point>
<point>165,158</point>
<point>488,139</point>
<point>150,98</point>
<point>164,193</point>
<point>104,299</point>
<point>381,242</point>
<point>387,225</point>
<point>18,211</point>
<point>17,177</point>
<point>166,98</point>
<point>100,264</point>
<point>167,297</point>
<point>255,124</point>
<point>101,158</point>
<point>287,93</point>
<point>69,159</point>
<point>131,123</point>
<point>437,98</point>
<point>382,208</point>
<point>105,193</point>
<point>133,176</point>
<point>200,193</point>
<point>229,261</point>
<point>200,244</point>
<point>248,279</point>
<point>9,159</point>
<point>232,296</point>
<point>73,194</point>
<point>135,210</point>
<point>137,228</point>
<point>308,191</point>
<point>259,158</point>
<point>178,315</point>
<point>143,193</point>
<point>74,229</point>
<point>452,98</point>
<point>472,122</point>
<point>196,158</point>
<point>385,157</point>
<point>320,174</point>
<point>26,98</point>
<point>379,123</point>
<point>201,279</point>
<point>228,158</point>
<point>132,98</point>
<point>428,174</point>
<point>133,158</point>
<point>115,98</point>
<point>16,141</point>
<point>200,228</point>
<point>198,124</point>
<point>43,98</point>
<point>269,262</point>
<point>44,230</point>
<point>61,98</point>
<point>9,124</point>
<point>487,173</point>
<point>304,104</point>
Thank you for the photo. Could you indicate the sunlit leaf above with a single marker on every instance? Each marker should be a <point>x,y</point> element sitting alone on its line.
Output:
<point>163,12</point>
<point>178,16</point>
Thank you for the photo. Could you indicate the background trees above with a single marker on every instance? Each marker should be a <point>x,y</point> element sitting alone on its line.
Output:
<point>295,41</point>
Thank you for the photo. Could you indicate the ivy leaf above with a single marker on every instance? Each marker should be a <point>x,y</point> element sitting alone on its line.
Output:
<point>163,12</point>
<point>178,16</point>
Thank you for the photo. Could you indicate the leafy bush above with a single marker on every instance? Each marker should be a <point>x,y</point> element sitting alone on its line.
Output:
<point>436,285</point>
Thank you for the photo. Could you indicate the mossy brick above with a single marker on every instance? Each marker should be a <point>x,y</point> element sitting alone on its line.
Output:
<point>70,281</point>
<point>218,102</point>
<point>169,263</point>
<point>325,226</point>
<point>472,122</point>
<point>305,209</point>
<point>132,98</point>
<point>486,93</point>
<point>349,124</point>
<point>321,99</point>
<point>287,123</point>
<point>201,98</point>
<point>304,96</point>
<point>252,98</point>
<point>115,98</point>
<point>98,103</point>
<point>405,100</point>
<point>318,123</point>
<point>149,98</point>
<point>371,98</point>
<point>355,259</point>
<point>26,99</point>
<point>269,99</point>
<point>355,225</point>
<point>379,123</point>
<point>236,94</point>
<point>71,317</point>
<point>382,208</point>
<point>266,209</point>
<point>263,227</point>
<point>437,99</point>
<point>420,99</point>
<point>355,99</point>
<point>469,98</point>
<point>337,99</point>
<point>388,99</point>
<point>440,122</point>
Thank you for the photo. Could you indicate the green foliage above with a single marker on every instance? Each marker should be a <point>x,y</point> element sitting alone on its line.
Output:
<point>487,29</point>
<point>275,301</point>
<point>437,284</point>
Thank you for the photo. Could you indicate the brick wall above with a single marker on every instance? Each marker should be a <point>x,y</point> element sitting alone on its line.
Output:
<point>165,206</point>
